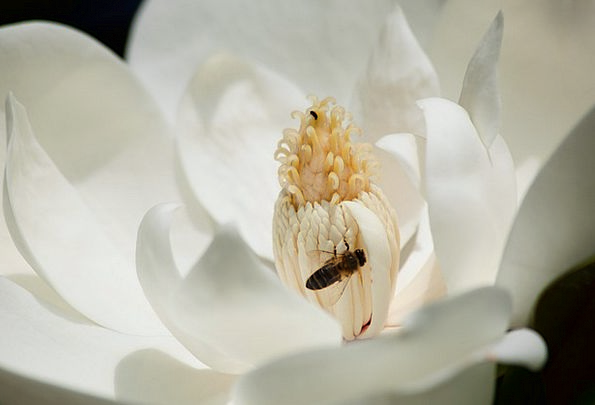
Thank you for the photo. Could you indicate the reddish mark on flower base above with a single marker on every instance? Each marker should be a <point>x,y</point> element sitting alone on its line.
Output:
<point>366,326</point>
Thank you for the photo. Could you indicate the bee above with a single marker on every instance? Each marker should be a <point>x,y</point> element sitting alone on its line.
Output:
<point>337,270</point>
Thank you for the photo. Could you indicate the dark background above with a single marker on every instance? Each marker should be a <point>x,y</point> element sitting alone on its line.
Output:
<point>107,20</point>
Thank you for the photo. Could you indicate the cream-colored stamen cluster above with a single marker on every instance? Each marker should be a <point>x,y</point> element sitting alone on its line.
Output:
<point>321,170</point>
<point>318,161</point>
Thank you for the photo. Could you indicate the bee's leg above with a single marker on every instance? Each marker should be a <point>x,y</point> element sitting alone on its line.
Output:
<point>346,244</point>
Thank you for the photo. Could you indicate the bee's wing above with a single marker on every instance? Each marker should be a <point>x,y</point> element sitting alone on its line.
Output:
<point>330,295</point>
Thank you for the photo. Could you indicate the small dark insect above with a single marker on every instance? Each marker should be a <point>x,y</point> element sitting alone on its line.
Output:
<point>314,114</point>
<point>337,269</point>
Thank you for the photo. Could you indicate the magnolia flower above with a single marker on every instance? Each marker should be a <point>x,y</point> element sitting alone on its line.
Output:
<point>149,338</point>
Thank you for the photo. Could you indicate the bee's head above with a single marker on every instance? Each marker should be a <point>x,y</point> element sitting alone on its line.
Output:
<point>361,256</point>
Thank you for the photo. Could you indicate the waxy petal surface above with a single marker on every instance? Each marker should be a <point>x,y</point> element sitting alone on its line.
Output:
<point>420,279</point>
<point>398,74</point>
<point>480,95</point>
<point>471,196</point>
<point>399,179</point>
<point>380,258</point>
<point>94,119</point>
<point>229,123</point>
<point>104,135</point>
<point>47,357</point>
<point>426,352</point>
<point>61,239</point>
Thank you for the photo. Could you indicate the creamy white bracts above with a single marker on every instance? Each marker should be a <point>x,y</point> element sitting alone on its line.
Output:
<point>329,205</point>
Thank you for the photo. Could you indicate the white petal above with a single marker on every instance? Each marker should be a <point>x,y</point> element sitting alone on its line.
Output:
<point>230,311</point>
<point>403,148</point>
<point>21,390</point>
<point>380,259</point>
<point>471,196</point>
<point>521,347</point>
<point>469,385</point>
<point>61,239</point>
<point>400,191</point>
<point>430,349</point>
<point>87,109</point>
<point>321,45</point>
<point>400,179</point>
<point>398,74</point>
<point>98,125</point>
<point>230,121</point>
<point>45,357</point>
<point>12,263</point>
<point>426,286</point>
<point>481,93</point>
<point>96,122</point>
<point>43,291</point>
<point>419,251</point>
<point>555,226</point>
<point>420,279</point>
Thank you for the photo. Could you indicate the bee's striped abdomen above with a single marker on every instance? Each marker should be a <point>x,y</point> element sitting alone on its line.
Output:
<point>325,276</point>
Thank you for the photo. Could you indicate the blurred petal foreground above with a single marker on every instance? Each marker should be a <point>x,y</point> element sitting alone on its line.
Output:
<point>173,234</point>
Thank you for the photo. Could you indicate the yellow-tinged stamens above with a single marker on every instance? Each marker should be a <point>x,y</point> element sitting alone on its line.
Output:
<point>320,160</point>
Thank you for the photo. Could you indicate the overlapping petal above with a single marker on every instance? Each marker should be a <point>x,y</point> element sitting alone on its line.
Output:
<point>81,262</point>
<point>555,226</point>
<point>47,357</point>
<point>480,95</point>
<point>380,259</point>
<point>425,354</point>
<point>100,131</point>
<point>94,119</point>
<point>229,123</point>
<point>546,68</point>
<point>420,280</point>
<point>399,179</point>
<point>322,46</point>
<point>231,311</point>
<point>398,74</point>
<point>403,148</point>
<point>471,195</point>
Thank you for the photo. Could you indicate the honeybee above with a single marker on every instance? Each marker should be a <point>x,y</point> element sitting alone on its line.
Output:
<point>337,270</point>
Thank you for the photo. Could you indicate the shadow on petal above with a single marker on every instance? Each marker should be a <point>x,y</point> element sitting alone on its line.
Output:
<point>472,386</point>
<point>44,294</point>
<point>434,344</point>
<point>151,376</point>
<point>230,310</point>
<point>16,389</point>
